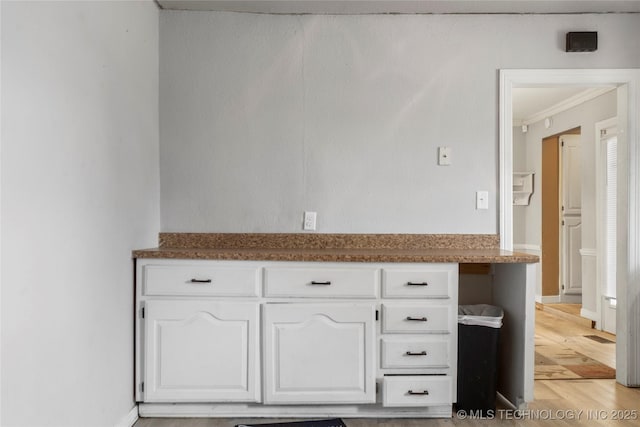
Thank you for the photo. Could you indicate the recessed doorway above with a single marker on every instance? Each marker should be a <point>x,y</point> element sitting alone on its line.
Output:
<point>627,83</point>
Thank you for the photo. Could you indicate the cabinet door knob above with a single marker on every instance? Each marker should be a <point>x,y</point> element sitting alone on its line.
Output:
<point>420,393</point>
<point>313,282</point>
<point>417,319</point>
<point>200,280</point>
<point>416,353</point>
<point>417,284</point>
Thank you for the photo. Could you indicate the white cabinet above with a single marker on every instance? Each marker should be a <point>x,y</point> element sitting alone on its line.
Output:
<point>319,353</point>
<point>194,342</point>
<point>269,338</point>
<point>419,335</point>
<point>200,351</point>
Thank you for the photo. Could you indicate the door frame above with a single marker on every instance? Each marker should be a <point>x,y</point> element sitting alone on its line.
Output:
<point>627,82</point>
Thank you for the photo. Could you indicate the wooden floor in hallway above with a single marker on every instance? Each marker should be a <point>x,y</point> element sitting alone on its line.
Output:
<point>556,402</point>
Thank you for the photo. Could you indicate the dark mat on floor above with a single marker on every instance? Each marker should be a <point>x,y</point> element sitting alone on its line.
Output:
<point>599,339</point>
<point>334,422</point>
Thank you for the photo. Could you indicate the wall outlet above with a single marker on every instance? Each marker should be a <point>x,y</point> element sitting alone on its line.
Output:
<point>482,200</point>
<point>309,222</point>
<point>444,156</point>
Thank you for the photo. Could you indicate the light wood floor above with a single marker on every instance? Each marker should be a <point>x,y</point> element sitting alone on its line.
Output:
<point>566,311</point>
<point>586,402</point>
<point>563,331</point>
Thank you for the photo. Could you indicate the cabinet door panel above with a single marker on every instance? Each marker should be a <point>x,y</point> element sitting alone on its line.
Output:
<point>319,353</point>
<point>572,262</point>
<point>201,351</point>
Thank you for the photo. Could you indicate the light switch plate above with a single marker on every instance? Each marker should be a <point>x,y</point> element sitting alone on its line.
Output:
<point>482,200</point>
<point>309,221</point>
<point>444,156</point>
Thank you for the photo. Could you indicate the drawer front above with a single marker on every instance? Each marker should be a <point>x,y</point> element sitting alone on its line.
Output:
<point>434,282</point>
<point>204,280</point>
<point>319,282</point>
<point>416,391</point>
<point>424,352</point>
<point>416,318</point>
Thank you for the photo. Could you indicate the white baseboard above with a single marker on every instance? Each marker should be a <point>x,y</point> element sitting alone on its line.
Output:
<point>553,299</point>
<point>591,315</point>
<point>130,419</point>
<point>256,410</point>
<point>526,247</point>
<point>571,299</point>
<point>588,252</point>
<point>503,401</point>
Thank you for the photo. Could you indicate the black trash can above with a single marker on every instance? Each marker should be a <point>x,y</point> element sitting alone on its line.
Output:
<point>478,335</point>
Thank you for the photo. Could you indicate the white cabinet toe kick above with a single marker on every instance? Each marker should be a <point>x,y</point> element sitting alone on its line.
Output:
<point>313,339</point>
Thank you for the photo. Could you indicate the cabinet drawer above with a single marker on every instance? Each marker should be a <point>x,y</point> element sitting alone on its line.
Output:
<point>318,282</point>
<point>418,352</point>
<point>416,318</point>
<point>203,279</point>
<point>436,282</point>
<point>416,391</point>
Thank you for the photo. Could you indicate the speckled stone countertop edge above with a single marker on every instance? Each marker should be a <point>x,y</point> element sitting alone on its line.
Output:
<point>345,255</point>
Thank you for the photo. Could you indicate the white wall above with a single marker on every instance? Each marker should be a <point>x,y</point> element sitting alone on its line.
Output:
<point>263,117</point>
<point>80,190</point>
<point>584,116</point>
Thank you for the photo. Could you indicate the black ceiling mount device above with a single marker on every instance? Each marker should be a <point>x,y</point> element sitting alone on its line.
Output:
<point>582,41</point>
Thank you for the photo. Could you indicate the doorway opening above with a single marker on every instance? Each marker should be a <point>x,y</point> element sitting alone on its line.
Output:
<point>553,148</point>
<point>627,84</point>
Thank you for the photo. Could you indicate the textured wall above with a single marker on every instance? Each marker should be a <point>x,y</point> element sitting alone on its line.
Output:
<point>263,117</point>
<point>80,190</point>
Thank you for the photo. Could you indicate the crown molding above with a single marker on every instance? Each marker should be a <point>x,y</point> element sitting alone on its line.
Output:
<point>567,104</point>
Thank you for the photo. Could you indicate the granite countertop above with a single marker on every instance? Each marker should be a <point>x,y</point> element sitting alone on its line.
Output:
<point>334,248</point>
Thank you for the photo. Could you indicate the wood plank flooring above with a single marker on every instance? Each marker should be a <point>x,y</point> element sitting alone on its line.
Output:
<point>566,311</point>
<point>563,331</point>
<point>563,403</point>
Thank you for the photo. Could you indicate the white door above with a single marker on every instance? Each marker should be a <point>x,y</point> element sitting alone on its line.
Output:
<point>201,351</point>
<point>571,217</point>
<point>319,353</point>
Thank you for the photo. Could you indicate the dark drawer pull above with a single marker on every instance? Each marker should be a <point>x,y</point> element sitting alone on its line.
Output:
<point>313,282</point>
<point>419,393</point>
<point>416,319</point>
<point>416,353</point>
<point>417,284</point>
<point>200,280</point>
